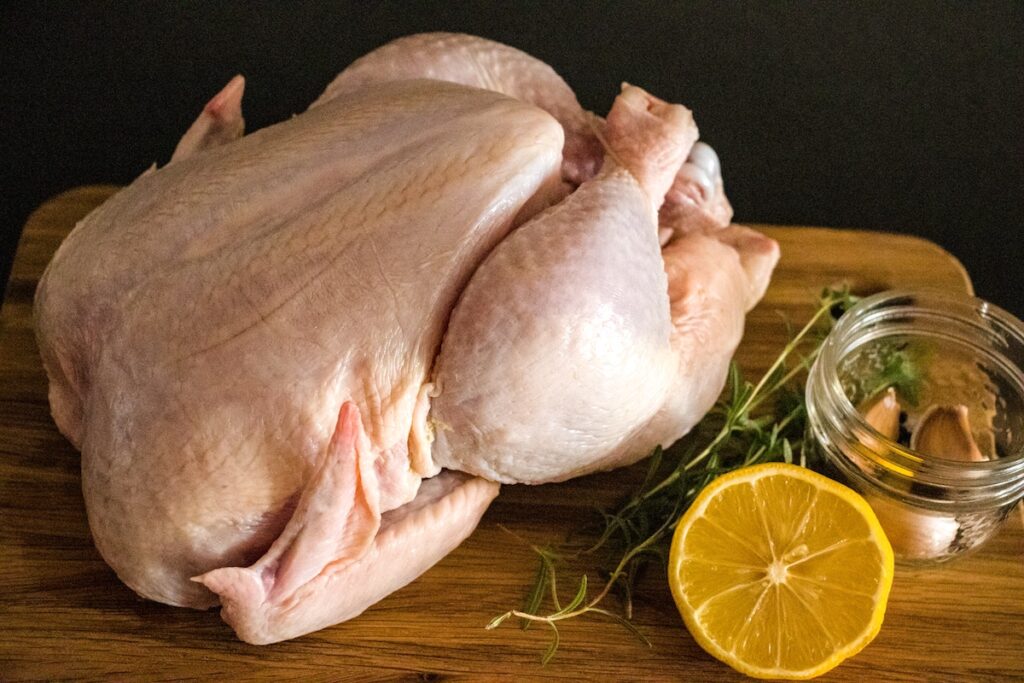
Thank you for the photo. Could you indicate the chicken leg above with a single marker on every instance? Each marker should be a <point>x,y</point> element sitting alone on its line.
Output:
<point>558,350</point>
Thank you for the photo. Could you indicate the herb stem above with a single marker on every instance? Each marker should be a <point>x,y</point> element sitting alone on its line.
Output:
<point>780,361</point>
<point>671,479</point>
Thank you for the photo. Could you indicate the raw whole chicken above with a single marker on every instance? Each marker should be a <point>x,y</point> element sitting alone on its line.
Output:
<point>297,363</point>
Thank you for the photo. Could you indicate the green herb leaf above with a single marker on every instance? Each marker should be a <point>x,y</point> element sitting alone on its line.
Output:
<point>626,623</point>
<point>549,654</point>
<point>577,600</point>
<point>536,594</point>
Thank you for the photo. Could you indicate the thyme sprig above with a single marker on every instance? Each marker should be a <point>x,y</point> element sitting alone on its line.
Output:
<point>751,423</point>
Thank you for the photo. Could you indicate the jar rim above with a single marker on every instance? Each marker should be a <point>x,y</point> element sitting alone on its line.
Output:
<point>963,308</point>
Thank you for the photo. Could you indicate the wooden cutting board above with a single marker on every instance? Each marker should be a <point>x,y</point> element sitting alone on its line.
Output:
<point>63,613</point>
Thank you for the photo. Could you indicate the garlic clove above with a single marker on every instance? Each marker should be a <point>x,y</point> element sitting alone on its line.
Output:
<point>944,431</point>
<point>883,413</point>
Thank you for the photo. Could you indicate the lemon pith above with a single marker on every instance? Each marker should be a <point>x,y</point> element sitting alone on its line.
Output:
<point>780,572</point>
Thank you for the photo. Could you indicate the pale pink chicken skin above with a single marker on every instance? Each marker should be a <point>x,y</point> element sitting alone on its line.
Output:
<point>242,343</point>
<point>480,63</point>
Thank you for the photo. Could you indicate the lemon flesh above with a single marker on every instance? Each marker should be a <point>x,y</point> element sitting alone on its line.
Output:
<point>780,572</point>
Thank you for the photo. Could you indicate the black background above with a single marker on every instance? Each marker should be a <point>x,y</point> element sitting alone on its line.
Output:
<point>903,116</point>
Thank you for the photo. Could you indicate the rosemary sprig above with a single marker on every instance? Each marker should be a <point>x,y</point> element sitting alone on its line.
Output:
<point>749,424</point>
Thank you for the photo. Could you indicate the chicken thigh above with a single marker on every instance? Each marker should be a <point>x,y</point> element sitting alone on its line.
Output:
<point>285,356</point>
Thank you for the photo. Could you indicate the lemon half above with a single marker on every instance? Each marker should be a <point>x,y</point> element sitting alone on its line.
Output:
<point>780,572</point>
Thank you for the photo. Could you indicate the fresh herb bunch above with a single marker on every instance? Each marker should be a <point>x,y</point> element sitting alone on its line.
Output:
<point>899,366</point>
<point>748,425</point>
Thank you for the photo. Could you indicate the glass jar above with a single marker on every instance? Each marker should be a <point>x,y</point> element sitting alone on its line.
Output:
<point>940,349</point>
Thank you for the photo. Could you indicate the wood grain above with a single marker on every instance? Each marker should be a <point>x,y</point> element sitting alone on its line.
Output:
<point>63,613</point>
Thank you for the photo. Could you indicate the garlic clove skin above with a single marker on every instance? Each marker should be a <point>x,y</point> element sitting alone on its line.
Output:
<point>883,414</point>
<point>944,431</point>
